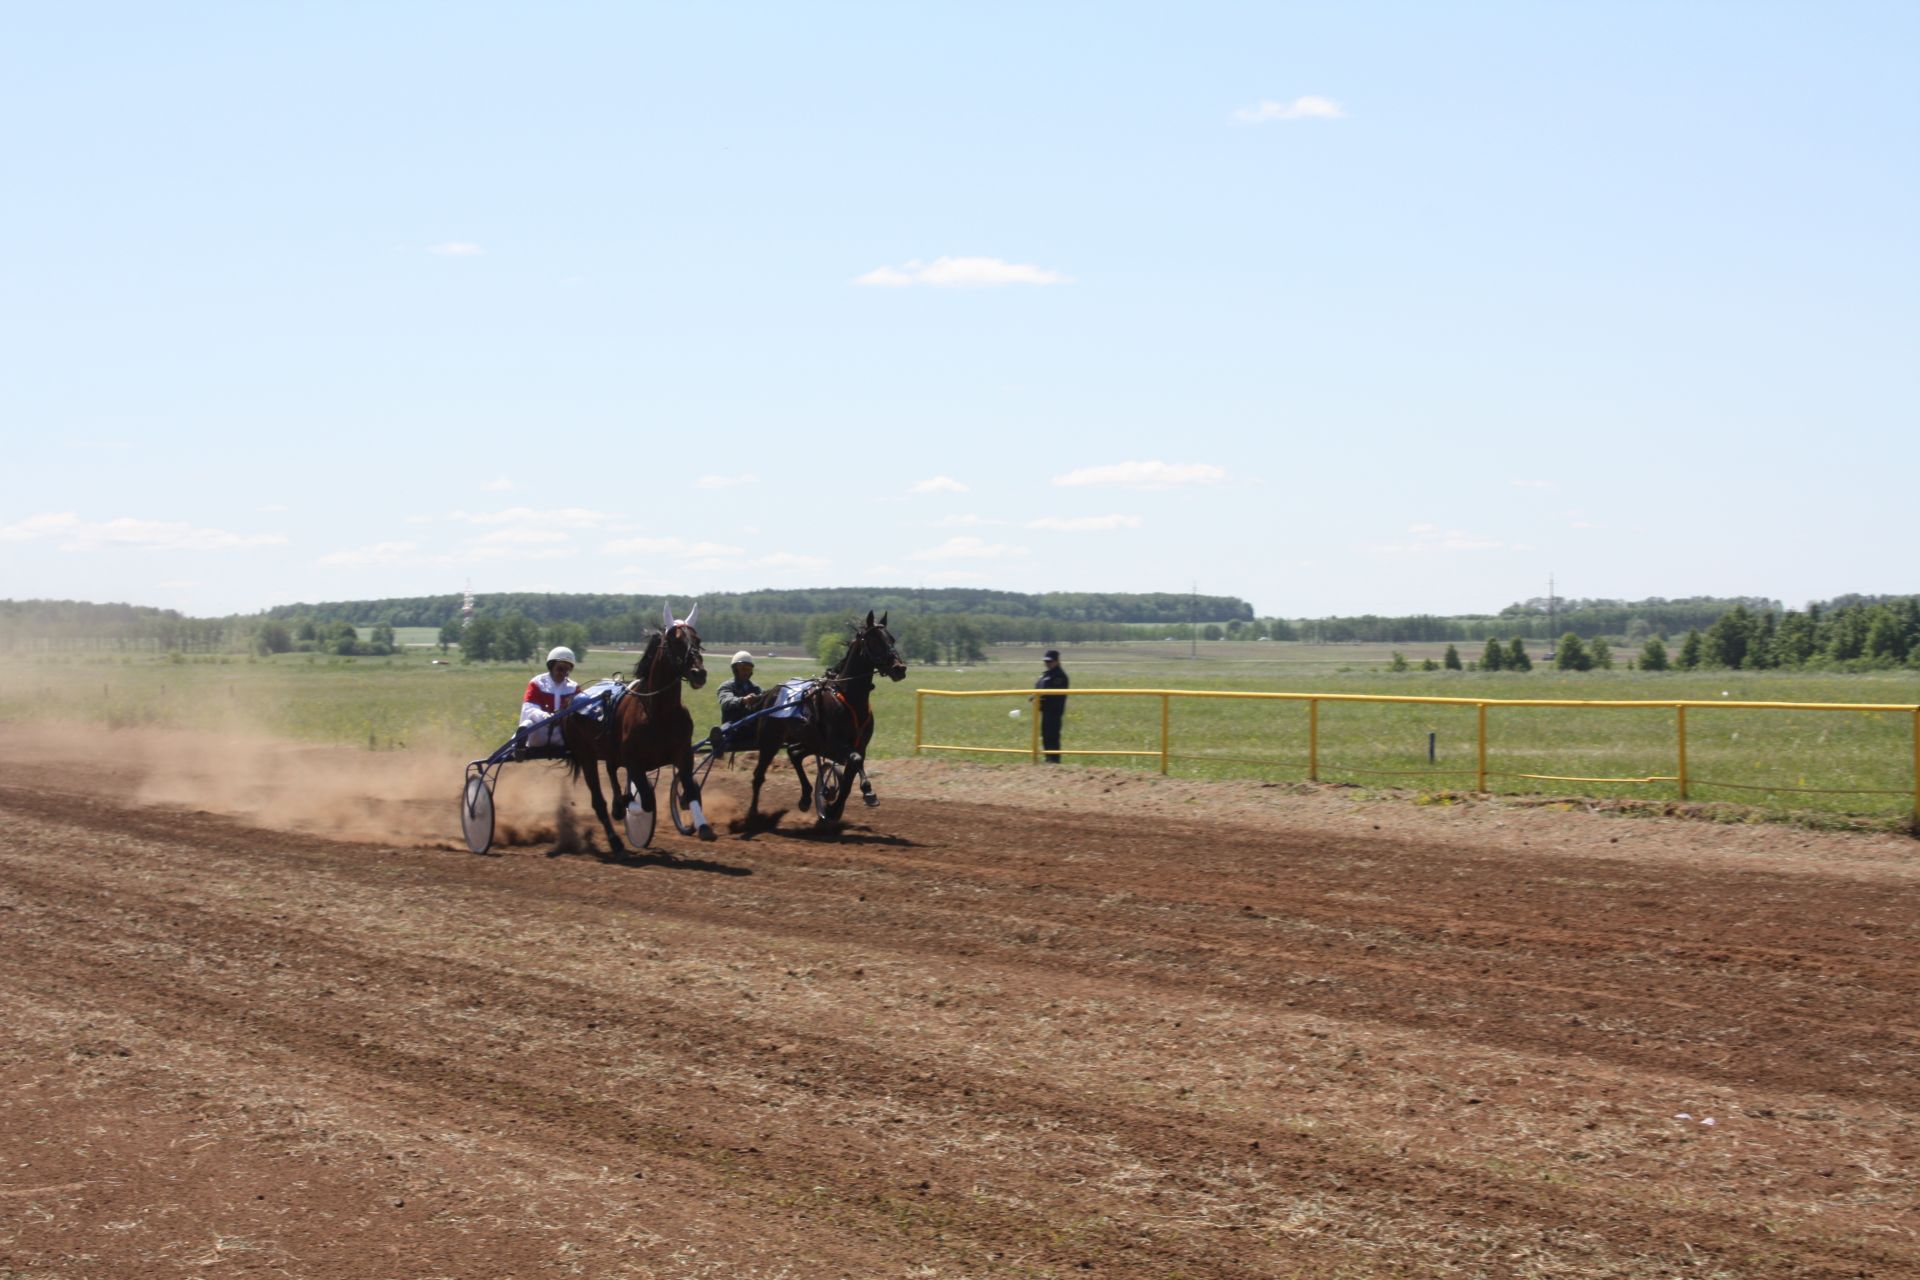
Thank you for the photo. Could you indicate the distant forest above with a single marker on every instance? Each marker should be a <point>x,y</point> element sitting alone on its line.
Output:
<point>956,624</point>
<point>762,609</point>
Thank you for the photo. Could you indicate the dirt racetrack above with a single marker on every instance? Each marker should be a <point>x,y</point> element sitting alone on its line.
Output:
<point>1014,1022</point>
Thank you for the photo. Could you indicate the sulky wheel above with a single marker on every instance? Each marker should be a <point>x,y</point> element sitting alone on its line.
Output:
<point>476,814</point>
<point>641,813</point>
<point>677,807</point>
<point>829,790</point>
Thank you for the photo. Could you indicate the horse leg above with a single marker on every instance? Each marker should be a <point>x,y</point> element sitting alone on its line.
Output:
<point>690,788</point>
<point>600,811</point>
<point>619,792</point>
<point>857,765</point>
<point>765,758</point>
<point>795,756</point>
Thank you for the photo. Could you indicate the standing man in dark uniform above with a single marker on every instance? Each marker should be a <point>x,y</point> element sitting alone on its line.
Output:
<point>1054,709</point>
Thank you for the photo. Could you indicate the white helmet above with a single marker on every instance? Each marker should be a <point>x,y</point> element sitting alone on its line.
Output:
<point>560,653</point>
<point>740,657</point>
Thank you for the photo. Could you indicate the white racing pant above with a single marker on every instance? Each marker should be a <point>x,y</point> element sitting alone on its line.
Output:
<point>547,730</point>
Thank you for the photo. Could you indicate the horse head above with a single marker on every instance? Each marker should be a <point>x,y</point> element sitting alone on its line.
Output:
<point>874,645</point>
<point>680,647</point>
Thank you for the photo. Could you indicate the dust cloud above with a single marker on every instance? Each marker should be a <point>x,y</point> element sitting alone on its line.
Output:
<point>405,796</point>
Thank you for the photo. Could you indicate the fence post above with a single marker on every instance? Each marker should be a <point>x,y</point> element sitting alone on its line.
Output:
<point>1313,739</point>
<point>1480,750</point>
<point>1680,726</point>
<point>919,717</point>
<point>1916,771</point>
<point>1033,744</point>
<point>1166,730</point>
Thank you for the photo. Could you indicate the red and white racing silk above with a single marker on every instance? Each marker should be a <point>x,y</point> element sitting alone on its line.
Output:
<point>545,697</point>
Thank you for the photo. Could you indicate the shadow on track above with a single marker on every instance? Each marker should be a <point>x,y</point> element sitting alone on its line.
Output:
<point>656,858</point>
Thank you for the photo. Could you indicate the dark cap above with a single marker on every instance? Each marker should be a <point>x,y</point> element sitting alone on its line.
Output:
<point>1052,655</point>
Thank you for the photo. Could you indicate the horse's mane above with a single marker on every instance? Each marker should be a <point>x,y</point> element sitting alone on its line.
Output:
<point>645,664</point>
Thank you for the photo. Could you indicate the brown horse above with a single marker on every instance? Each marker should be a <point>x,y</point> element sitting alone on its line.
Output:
<point>648,729</point>
<point>835,723</point>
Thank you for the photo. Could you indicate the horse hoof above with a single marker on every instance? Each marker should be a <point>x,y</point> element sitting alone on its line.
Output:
<point>871,800</point>
<point>706,833</point>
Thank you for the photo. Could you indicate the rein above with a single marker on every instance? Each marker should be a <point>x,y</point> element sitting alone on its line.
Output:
<point>664,655</point>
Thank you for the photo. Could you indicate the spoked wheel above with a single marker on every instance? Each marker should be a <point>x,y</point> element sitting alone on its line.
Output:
<point>677,807</point>
<point>476,814</point>
<point>829,790</point>
<point>641,814</point>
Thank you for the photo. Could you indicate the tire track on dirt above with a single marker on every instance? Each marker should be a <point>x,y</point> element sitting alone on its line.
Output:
<point>1151,1133</point>
<point>568,1117</point>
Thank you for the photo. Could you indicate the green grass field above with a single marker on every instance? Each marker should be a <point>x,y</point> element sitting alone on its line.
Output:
<point>1812,763</point>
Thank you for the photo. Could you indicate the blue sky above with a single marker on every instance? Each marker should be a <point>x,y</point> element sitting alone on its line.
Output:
<point>1338,308</point>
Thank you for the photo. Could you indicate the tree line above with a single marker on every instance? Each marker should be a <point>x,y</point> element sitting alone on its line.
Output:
<point>1741,633</point>
<point>1855,633</point>
<point>764,611</point>
<point>1631,621</point>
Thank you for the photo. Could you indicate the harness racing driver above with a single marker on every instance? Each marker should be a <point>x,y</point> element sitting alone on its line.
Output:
<point>547,696</point>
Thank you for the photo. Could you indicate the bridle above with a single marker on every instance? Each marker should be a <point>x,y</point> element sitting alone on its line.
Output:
<point>863,636</point>
<point>679,665</point>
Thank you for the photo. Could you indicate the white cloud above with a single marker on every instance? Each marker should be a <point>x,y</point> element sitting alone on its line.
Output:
<point>725,482</point>
<point>1585,524</point>
<point>969,548</point>
<point>1427,539</point>
<point>559,518</point>
<point>499,484</point>
<point>70,533</point>
<point>520,538</point>
<point>378,553</point>
<point>669,546</point>
<point>939,484</point>
<point>964,522</point>
<point>456,249</point>
<point>1144,475</point>
<point>1305,108</point>
<point>960,273</point>
<point>793,560</point>
<point>1085,524</point>
<point>273,508</point>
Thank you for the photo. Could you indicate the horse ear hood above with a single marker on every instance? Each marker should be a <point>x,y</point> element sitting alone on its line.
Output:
<point>666,616</point>
<point>693,613</point>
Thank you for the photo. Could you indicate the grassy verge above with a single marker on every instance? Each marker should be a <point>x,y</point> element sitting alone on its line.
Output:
<point>1831,764</point>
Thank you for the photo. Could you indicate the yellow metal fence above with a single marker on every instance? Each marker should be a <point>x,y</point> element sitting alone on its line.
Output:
<point>1165,754</point>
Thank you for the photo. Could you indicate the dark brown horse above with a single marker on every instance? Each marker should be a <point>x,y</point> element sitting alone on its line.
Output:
<point>835,723</point>
<point>649,728</point>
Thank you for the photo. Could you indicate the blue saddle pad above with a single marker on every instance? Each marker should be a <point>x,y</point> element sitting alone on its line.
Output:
<point>597,701</point>
<point>789,699</point>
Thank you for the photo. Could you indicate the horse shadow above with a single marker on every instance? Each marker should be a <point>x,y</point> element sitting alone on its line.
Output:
<point>660,858</point>
<point>841,833</point>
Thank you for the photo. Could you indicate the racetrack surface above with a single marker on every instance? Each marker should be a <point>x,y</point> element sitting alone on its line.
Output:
<point>1011,1023</point>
